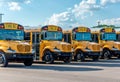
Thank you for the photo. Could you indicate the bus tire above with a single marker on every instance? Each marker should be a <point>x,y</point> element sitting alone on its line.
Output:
<point>107,54</point>
<point>28,62</point>
<point>79,56</point>
<point>67,59</point>
<point>3,60</point>
<point>48,57</point>
<point>119,56</point>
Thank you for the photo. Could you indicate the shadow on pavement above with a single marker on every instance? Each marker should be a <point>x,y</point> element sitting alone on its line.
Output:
<point>55,68</point>
<point>101,63</point>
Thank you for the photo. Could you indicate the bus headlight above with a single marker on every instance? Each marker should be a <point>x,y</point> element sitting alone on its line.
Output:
<point>57,50</point>
<point>88,50</point>
<point>114,49</point>
<point>9,50</point>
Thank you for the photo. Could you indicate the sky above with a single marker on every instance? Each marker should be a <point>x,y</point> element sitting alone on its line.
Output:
<point>64,13</point>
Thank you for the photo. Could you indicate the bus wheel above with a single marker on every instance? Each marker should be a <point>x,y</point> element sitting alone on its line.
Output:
<point>79,56</point>
<point>119,56</point>
<point>3,60</point>
<point>48,57</point>
<point>28,62</point>
<point>106,54</point>
<point>67,59</point>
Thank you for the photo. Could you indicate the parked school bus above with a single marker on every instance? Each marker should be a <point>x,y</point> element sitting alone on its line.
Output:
<point>118,34</point>
<point>48,45</point>
<point>106,37</point>
<point>80,39</point>
<point>12,45</point>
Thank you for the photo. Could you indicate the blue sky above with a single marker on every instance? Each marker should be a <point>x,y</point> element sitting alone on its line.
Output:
<point>65,13</point>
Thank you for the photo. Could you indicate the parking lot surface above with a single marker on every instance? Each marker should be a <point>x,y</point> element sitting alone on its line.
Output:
<point>88,71</point>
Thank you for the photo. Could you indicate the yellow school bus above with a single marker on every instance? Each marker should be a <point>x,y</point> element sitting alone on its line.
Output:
<point>80,39</point>
<point>106,37</point>
<point>12,45</point>
<point>117,30</point>
<point>48,45</point>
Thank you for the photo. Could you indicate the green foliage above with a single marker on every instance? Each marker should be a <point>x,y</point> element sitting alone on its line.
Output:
<point>103,26</point>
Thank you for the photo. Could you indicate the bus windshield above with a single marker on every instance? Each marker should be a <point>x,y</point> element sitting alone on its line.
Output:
<point>53,36</point>
<point>83,36</point>
<point>11,34</point>
<point>109,36</point>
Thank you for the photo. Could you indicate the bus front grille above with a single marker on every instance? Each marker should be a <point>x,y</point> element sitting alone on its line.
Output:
<point>66,47</point>
<point>23,48</point>
<point>96,47</point>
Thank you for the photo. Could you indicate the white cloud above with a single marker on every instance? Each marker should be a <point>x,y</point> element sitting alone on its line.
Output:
<point>113,21</point>
<point>73,16</point>
<point>14,6</point>
<point>104,2</point>
<point>63,19</point>
<point>27,1</point>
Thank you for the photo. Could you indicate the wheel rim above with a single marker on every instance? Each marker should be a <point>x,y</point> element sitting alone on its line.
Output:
<point>1,59</point>
<point>79,56</point>
<point>106,54</point>
<point>48,57</point>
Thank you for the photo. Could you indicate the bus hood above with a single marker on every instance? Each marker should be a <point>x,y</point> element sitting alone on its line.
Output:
<point>86,45</point>
<point>62,46</point>
<point>16,46</point>
<point>117,45</point>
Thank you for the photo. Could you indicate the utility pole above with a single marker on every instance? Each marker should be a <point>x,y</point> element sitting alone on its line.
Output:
<point>98,23</point>
<point>1,17</point>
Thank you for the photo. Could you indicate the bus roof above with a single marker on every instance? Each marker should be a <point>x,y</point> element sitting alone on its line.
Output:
<point>97,30</point>
<point>11,26</point>
<point>33,30</point>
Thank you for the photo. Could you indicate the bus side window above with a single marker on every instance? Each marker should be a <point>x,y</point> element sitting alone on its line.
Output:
<point>37,35</point>
<point>73,36</point>
<point>102,36</point>
<point>95,38</point>
<point>42,36</point>
<point>118,37</point>
<point>27,36</point>
<point>67,38</point>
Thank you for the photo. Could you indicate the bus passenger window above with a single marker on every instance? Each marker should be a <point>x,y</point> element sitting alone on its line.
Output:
<point>27,36</point>
<point>69,38</point>
<point>42,36</point>
<point>95,38</point>
<point>65,38</point>
<point>37,35</point>
<point>118,37</point>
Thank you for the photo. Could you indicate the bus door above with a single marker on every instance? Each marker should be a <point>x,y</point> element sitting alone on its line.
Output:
<point>33,37</point>
<point>35,43</point>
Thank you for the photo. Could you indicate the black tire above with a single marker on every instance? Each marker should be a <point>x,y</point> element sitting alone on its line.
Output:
<point>48,57</point>
<point>107,54</point>
<point>118,56</point>
<point>3,60</point>
<point>67,59</point>
<point>28,62</point>
<point>95,58</point>
<point>79,56</point>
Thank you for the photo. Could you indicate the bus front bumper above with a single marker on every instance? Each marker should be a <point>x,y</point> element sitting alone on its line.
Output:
<point>63,54</point>
<point>116,52</point>
<point>93,53</point>
<point>18,56</point>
